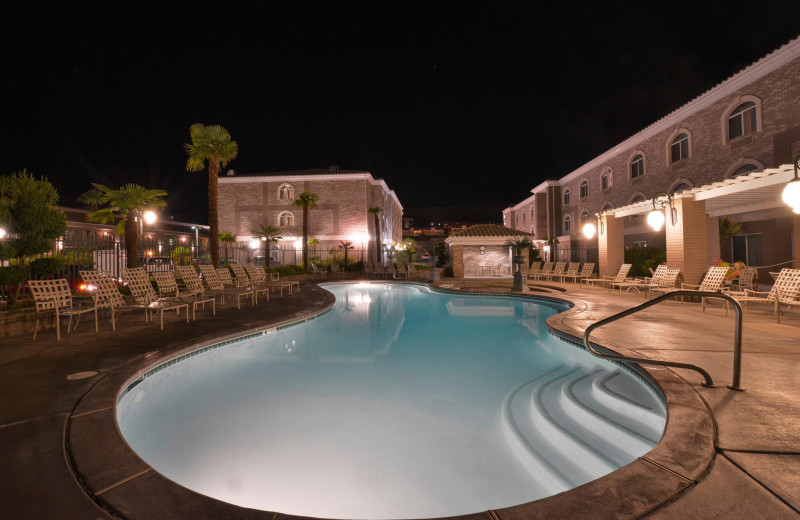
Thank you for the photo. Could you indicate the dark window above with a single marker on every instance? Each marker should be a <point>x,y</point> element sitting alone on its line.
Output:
<point>637,166</point>
<point>566,197</point>
<point>681,187</point>
<point>567,224</point>
<point>606,179</point>
<point>584,189</point>
<point>742,120</point>
<point>747,248</point>
<point>680,148</point>
<point>744,169</point>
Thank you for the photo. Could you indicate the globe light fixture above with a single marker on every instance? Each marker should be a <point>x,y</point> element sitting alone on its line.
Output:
<point>590,228</point>
<point>791,193</point>
<point>255,243</point>
<point>2,233</point>
<point>656,218</point>
<point>149,217</point>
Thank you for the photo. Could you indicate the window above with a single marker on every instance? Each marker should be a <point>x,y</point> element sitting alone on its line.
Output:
<point>567,224</point>
<point>286,219</point>
<point>742,120</point>
<point>531,211</point>
<point>286,191</point>
<point>679,149</point>
<point>606,180</point>
<point>744,170</point>
<point>747,248</point>
<point>524,214</point>
<point>640,243</point>
<point>637,166</point>
<point>607,207</point>
<point>566,197</point>
<point>584,189</point>
<point>584,217</point>
<point>681,187</point>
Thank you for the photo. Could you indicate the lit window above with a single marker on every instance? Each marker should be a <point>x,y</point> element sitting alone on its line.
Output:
<point>637,166</point>
<point>286,191</point>
<point>606,179</point>
<point>584,189</point>
<point>744,170</point>
<point>567,224</point>
<point>679,149</point>
<point>286,219</point>
<point>742,120</point>
<point>566,197</point>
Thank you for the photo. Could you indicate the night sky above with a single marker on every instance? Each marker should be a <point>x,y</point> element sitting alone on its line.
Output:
<point>451,105</point>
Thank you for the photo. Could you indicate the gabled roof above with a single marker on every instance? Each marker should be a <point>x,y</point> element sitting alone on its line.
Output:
<point>488,230</point>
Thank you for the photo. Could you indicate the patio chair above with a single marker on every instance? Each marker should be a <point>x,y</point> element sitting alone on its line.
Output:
<point>642,284</point>
<point>620,277</point>
<point>785,290</point>
<point>233,280</point>
<point>212,279</point>
<point>411,272</point>
<point>228,281</point>
<point>167,285</point>
<point>194,284</point>
<point>534,269</point>
<point>106,295</point>
<point>745,280</point>
<point>571,272</point>
<point>663,283</point>
<point>380,271</point>
<point>55,295</point>
<point>400,272</point>
<point>712,282</point>
<point>259,277</point>
<point>558,270</point>
<point>585,272</point>
<point>546,270</point>
<point>317,272</point>
<point>138,281</point>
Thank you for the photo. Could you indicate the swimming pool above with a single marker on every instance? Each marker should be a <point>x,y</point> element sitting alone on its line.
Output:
<point>399,403</point>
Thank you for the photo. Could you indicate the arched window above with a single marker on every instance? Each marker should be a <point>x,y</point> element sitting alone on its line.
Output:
<point>286,191</point>
<point>606,179</point>
<point>681,187</point>
<point>742,121</point>
<point>679,148</point>
<point>567,224</point>
<point>566,197</point>
<point>607,207</point>
<point>286,218</point>
<point>584,189</point>
<point>744,170</point>
<point>584,217</point>
<point>637,166</point>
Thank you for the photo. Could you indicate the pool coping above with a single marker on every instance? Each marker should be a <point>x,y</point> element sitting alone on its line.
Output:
<point>680,459</point>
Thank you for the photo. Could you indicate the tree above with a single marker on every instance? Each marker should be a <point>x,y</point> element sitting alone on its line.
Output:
<point>32,223</point>
<point>374,211</point>
<point>268,235</point>
<point>227,237</point>
<point>128,204</point>
<point>306,201</point>
<point>91,199</point>
<point>727,229</point>
<point>213,144</point>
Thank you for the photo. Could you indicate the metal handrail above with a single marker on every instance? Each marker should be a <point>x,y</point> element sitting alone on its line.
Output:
<point>737,337</point>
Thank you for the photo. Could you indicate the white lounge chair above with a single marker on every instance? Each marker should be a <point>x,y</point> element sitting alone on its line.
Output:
<point>785,291</point>
<point>55,295</point>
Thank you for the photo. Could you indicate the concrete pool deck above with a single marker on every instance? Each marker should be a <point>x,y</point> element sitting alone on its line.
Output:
<point>726,454</point>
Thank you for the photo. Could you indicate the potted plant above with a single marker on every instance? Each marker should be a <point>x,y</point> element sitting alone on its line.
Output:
<point>519,243</point>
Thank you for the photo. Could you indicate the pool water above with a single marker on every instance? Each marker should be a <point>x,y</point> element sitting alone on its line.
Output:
<point>399,403</point>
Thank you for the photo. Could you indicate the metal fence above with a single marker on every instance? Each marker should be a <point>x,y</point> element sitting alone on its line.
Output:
<point>566,254</point>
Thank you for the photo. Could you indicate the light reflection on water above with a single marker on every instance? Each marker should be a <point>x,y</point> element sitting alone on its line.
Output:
<point>394,405</point>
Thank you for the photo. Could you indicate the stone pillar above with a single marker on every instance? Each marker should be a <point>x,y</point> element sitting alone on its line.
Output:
<point>610,245</point>
<point>457,260</point>
<point>713,240</point>
<point>687,239</point>
<point>796,241</point>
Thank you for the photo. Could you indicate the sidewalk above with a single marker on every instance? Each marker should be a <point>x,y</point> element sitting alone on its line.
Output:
<point>54,393</point>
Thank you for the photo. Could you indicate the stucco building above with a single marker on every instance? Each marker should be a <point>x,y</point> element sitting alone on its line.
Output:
<point>246,202</point>
<point>738,135</point>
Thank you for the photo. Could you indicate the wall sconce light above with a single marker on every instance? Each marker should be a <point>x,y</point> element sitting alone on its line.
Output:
<point>656,219</point>
<point>589,229</point>
<point>791,193</point>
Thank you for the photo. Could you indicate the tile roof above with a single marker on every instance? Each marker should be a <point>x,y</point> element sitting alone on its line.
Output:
<point>489,230</point>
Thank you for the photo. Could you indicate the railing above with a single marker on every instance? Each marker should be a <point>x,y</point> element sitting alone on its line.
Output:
<point>737,337</point>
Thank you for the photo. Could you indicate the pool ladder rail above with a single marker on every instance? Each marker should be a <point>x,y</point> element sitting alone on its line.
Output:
<point>708,382</point>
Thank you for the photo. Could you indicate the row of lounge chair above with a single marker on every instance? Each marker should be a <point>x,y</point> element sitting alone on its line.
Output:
<point>209,286</point>
<point>395,271</point>
<point>559,270</point>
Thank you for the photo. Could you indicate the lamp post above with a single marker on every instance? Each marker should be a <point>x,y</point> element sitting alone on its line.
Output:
<point>791,193</point>
<point>148,217</point>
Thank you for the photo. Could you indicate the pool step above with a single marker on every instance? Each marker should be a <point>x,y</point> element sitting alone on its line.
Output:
<point>572,425</point>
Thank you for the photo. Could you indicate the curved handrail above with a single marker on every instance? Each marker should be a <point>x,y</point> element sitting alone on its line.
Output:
<point>737,338</point>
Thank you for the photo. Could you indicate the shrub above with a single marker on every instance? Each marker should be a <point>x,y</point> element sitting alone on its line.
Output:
<point>642,258</point>
<point>47,266</point>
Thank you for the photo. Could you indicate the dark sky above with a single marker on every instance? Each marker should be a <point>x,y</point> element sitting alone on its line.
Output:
<point>451,105</point>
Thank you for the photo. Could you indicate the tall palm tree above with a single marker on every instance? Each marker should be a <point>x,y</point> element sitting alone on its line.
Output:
<point>374,211</point>
<point>91,199</point>
<point>268,235</point>
<point>213,144</point>
<point>128,203</point>
<point>305,201</point>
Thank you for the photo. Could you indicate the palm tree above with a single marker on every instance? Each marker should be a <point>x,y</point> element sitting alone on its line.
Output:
<point>227,237</point>
<point>128,204</point>
<point>727,229</point>
<point>91,199</point>
<point>213,144</point>
<point>268,235</point>
<point>306,201</point>
<point>345,244</point>
<point>374,212</point>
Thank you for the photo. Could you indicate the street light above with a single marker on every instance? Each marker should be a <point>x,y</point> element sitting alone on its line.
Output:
<point>656,219</point>
<point>791,193</point>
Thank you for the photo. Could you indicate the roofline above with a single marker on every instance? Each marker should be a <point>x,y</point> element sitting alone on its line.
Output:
<point>86,211</point>
<point>776,59</point>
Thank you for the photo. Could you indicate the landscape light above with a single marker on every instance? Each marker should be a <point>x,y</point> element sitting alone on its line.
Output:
<point>791,193</point>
